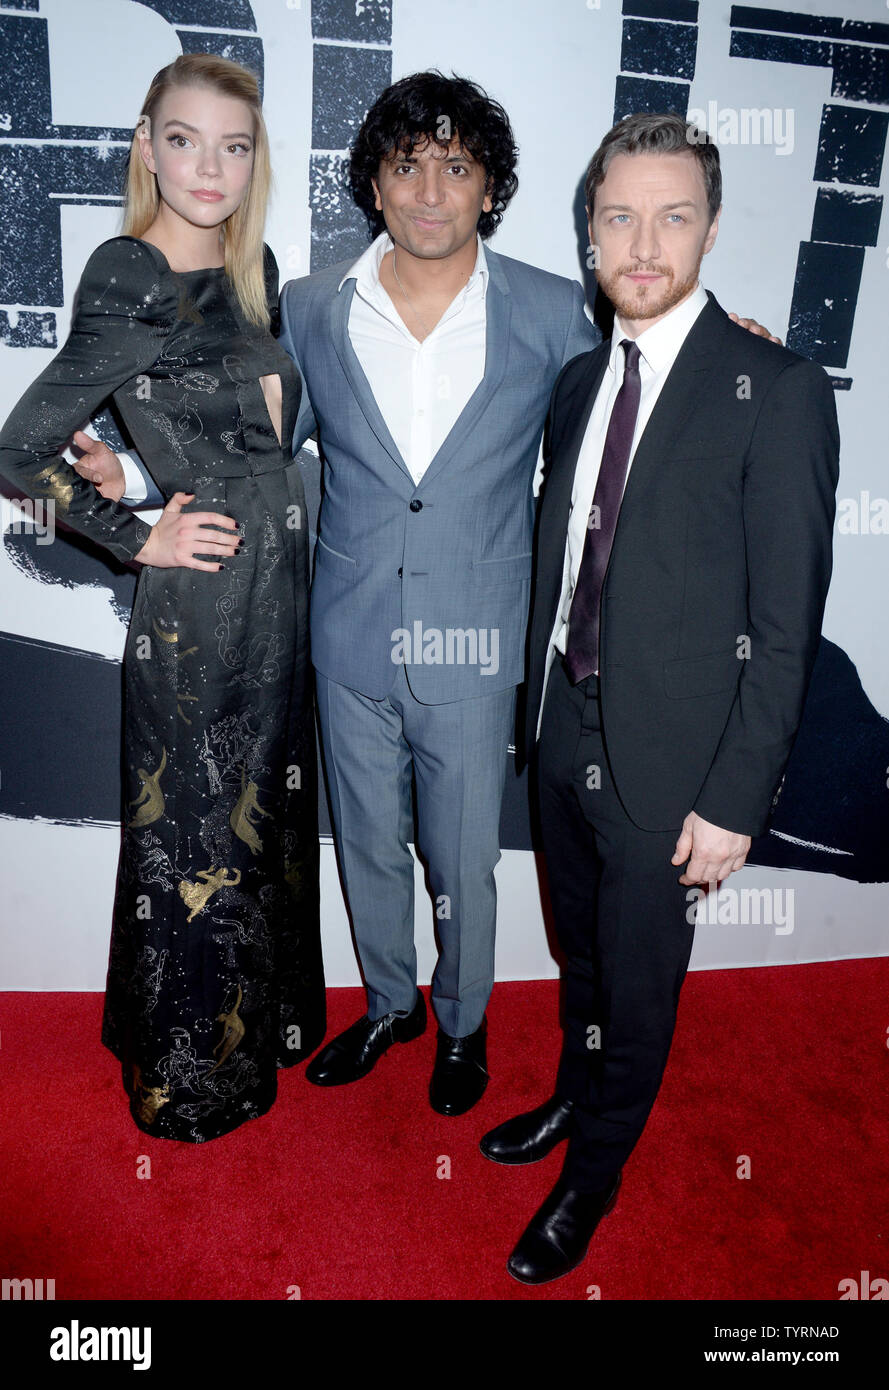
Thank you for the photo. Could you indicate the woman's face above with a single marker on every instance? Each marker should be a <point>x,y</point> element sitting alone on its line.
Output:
<point>201,149</point>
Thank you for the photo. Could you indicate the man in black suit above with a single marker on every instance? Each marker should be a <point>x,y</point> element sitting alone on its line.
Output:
<point>683,555</point>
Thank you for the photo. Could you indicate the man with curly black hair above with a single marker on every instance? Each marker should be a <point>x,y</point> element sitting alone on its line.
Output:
<point>428,364</point>
<point>399,121</point>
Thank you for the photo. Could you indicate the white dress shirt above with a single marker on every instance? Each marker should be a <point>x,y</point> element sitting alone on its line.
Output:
<point>421,388</point>
<point>658,349</point>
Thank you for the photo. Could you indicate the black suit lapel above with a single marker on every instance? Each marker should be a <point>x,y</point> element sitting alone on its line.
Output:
<point>570,417</point>
<point>680,396</point>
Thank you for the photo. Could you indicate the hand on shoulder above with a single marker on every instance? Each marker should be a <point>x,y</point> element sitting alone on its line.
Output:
<point>753,327</point>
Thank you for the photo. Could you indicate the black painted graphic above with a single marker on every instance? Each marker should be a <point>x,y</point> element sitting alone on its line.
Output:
<point>63,765</point>
<point>851,148</point>
<point>659,41</point>
<point>351,64</point>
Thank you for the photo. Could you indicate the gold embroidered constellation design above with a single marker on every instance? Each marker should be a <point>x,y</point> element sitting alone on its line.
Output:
<point>234,1032</point>
<point>150,800</point>
<point>171,637</point>
<point>245,808</point>
<point>197,895</point>
<point>150,1098</point>
<point>55,478</point>
<point>179,708</point>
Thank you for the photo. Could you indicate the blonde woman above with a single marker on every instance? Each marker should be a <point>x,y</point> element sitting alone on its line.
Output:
<point>215,976</point>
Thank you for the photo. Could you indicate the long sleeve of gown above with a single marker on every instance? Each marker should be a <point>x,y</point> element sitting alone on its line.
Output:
<point>126,304</point>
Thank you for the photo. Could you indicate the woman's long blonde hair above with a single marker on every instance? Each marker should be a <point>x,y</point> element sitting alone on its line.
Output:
<point>242,232</point>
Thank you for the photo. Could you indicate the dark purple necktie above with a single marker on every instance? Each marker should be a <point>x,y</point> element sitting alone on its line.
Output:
<point>582,652</point>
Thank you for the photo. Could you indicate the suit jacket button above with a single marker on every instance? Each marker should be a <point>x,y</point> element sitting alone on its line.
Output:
<point>416,505</point>
<point>399,571</point>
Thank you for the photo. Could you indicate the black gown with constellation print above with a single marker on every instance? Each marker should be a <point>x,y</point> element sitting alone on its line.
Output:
<point>215,974</point>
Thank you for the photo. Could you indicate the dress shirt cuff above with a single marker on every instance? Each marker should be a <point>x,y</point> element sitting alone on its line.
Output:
<point>136,487</point>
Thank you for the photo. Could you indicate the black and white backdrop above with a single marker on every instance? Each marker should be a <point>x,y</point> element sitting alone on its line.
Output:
<point>798,98</point>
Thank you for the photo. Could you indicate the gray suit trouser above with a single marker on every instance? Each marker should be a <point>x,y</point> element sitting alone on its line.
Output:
<point>458,754</point>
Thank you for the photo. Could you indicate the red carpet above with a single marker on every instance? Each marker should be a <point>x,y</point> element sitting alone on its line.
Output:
<point>337,1192</point>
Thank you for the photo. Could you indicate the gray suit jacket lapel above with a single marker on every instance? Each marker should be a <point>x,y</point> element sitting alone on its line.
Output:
<point>354,374</point>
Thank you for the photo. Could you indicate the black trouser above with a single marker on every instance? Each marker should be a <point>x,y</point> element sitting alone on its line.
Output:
<point>620,915</point>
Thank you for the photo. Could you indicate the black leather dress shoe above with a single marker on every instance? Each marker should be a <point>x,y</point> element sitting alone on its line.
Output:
<point>354,1053</point>
<point>529,1137</point>
<point>460,1074</point>
<point>558,1235</point>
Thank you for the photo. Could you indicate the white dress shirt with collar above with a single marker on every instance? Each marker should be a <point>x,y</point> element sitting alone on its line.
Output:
<point>421,388</point>
<point>658,349</point>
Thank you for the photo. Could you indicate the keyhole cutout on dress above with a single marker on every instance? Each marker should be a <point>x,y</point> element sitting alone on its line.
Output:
<point>271,389</point>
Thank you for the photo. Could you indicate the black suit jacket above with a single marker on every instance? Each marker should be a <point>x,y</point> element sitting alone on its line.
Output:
<point>724,534</point>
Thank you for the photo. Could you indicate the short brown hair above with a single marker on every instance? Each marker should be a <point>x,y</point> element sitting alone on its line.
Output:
<point>657,133</point>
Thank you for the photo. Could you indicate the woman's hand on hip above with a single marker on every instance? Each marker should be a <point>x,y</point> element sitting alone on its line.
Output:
<point>179,535</point>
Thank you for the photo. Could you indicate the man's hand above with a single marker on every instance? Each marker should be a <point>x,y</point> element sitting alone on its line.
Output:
<point>179,534</point>
<point>712,853</point>
<point>753,327</point>
<point>100,466</point>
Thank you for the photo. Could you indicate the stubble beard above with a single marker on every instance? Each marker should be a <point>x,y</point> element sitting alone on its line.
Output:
<point>646,301</point>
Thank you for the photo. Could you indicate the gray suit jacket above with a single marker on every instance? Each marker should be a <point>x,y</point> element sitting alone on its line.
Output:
<point>436,574</point>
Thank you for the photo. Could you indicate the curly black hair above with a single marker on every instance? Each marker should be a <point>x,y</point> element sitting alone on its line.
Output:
<point>419,108</point>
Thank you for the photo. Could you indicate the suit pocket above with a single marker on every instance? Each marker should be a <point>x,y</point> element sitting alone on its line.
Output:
<point>334,561</point>
<point>701,675</point>
<point>506,571</point>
